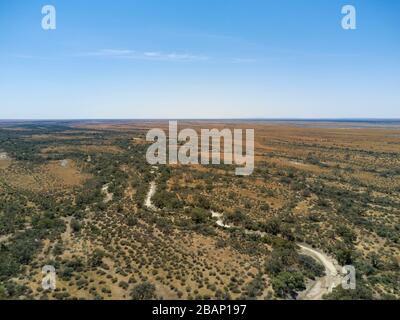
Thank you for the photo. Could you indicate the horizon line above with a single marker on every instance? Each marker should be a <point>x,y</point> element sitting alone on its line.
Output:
<point>206,119</point>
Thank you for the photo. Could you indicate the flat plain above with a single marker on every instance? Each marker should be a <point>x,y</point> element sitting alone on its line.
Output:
<point>73,195</point>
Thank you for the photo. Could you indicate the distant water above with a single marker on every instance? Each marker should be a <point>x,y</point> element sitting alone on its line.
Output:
<point>322,122</point>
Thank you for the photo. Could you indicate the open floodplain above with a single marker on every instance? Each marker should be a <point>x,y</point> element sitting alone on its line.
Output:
<point>80,196</point>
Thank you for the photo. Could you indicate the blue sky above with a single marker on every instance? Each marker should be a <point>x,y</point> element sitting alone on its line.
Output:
<point>199,59</point>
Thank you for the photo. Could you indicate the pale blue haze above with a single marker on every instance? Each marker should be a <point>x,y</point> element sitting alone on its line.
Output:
<point>199,58</point>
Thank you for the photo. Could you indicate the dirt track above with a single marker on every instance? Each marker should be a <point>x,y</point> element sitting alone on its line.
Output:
<point>324,284</point>
<point>148,204</point>
<point>318,288</point>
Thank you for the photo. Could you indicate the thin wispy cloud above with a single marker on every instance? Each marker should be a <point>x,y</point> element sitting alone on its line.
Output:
<point>243,60</point>
<point>111,53</point>
<point>146,55</point>
<point>142,55</point>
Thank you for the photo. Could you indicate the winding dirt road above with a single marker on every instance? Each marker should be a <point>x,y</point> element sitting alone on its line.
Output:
<point>152,190</point>
<point>317,288</point>
<point>323,284</point>
<point>107,195</point>
<point>220,221</point>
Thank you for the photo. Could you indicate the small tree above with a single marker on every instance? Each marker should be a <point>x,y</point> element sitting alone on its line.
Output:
<point>143,291</point>
<point>97,258</point>
<point>200,215</point>
<point>288,284</point>
<point>75,226</point>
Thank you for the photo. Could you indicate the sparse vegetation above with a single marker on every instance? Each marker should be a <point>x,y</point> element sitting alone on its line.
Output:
<point>337,190</point>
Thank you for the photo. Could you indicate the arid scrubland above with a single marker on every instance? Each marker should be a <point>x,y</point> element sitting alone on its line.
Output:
<point>72,195</point>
